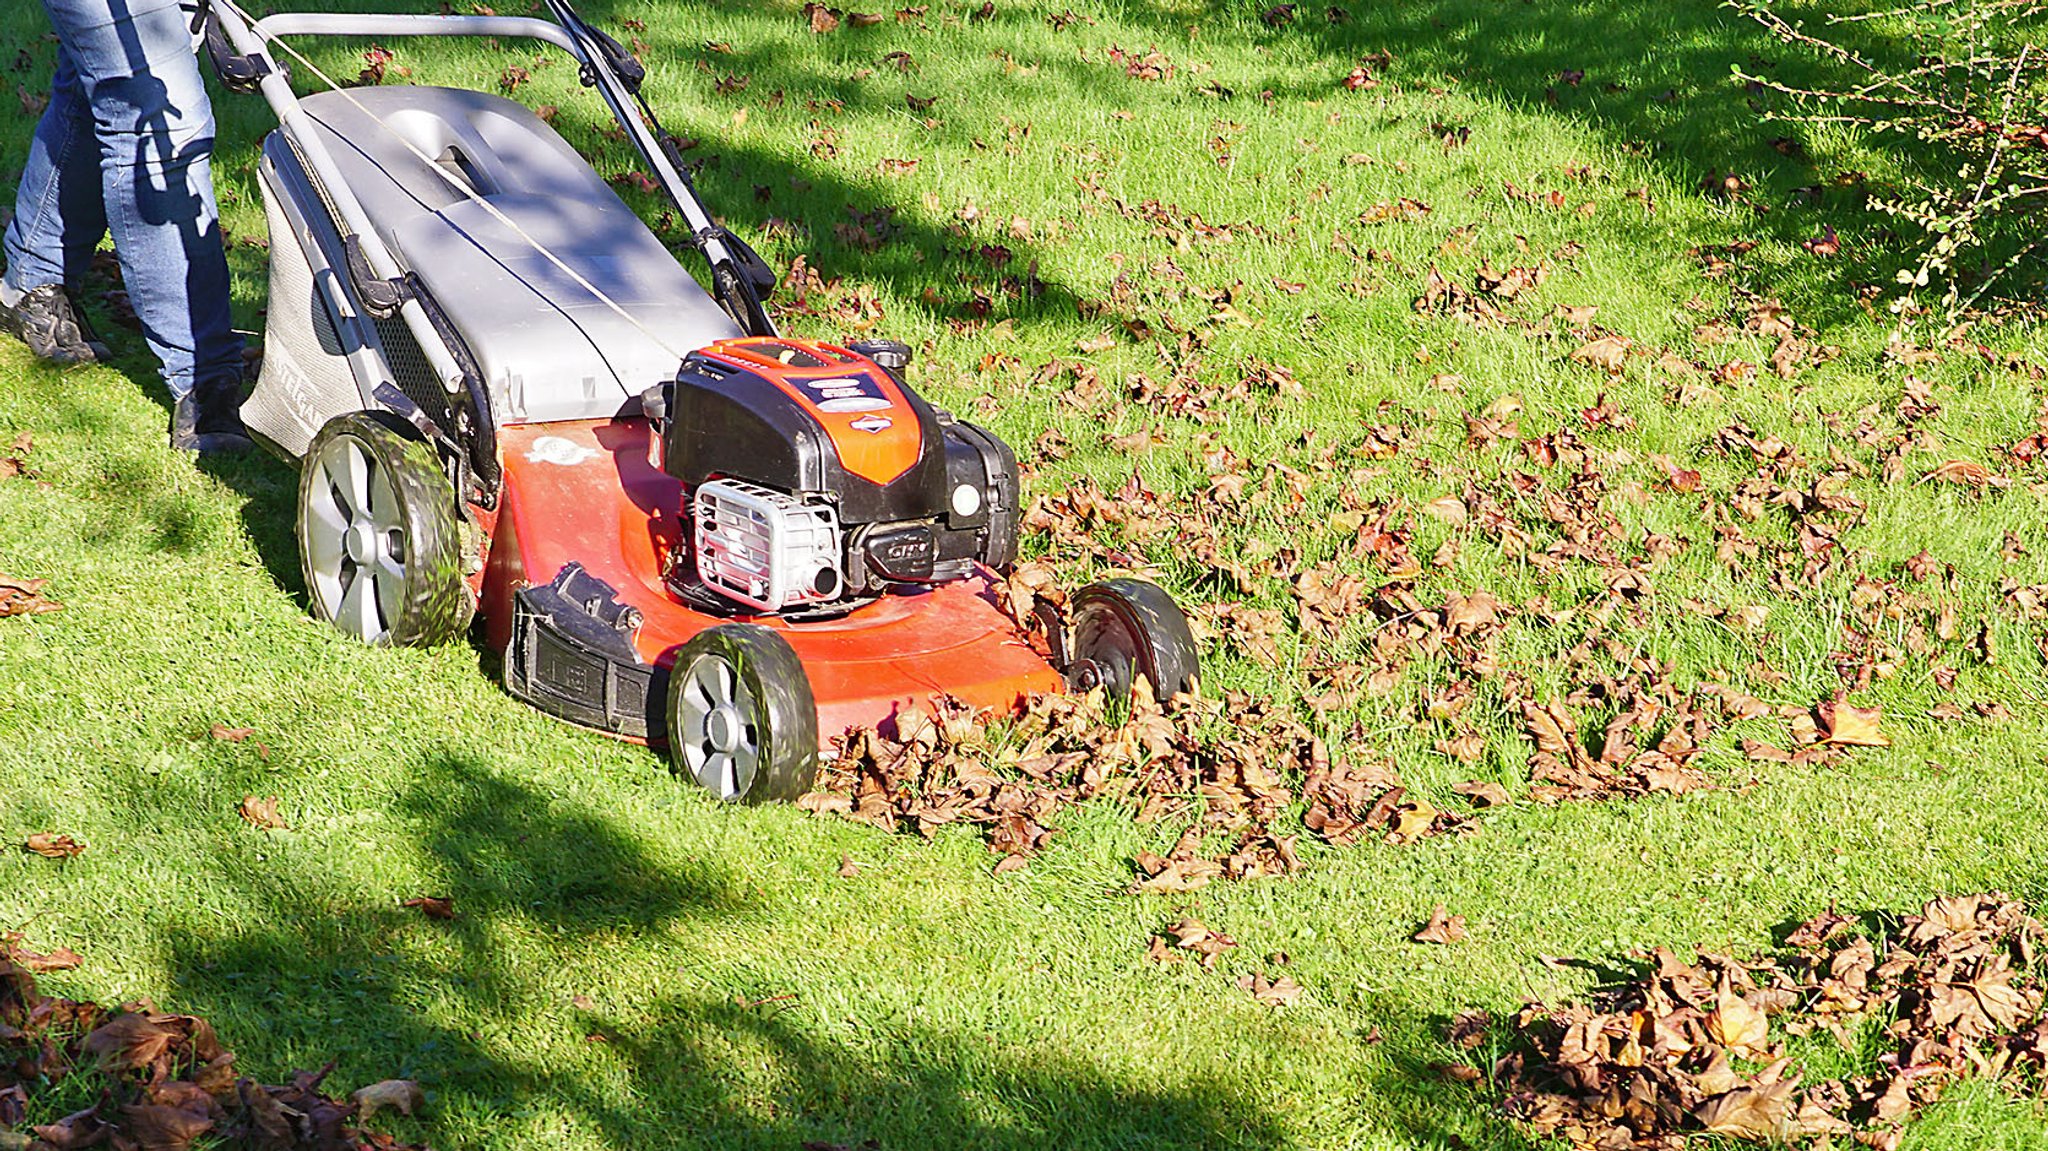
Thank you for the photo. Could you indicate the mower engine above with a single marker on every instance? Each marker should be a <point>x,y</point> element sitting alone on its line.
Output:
<point>817,478</point>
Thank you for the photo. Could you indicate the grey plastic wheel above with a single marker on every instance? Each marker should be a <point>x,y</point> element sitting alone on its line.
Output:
<point>378,541</point>
<point>742,722</point>
<point>1124,628</point>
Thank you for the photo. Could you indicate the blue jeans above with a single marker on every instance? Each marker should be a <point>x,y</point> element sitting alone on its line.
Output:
<point>125,145</point>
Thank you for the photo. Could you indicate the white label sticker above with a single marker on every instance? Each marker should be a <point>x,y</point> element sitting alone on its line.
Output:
<point>557,450</point>
<point>854,404</point>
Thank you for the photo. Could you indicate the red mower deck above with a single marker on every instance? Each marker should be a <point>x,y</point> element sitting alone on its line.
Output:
<point>593,492</point>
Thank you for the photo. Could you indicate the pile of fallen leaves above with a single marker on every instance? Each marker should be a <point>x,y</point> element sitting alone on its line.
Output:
<point>1701,1047</point>
<point>164,1082</point>
<point>1226,770</point>
<point>1233,772</point>
<point>1236,773</point>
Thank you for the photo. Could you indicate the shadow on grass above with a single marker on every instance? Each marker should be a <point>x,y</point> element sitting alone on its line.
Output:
<point>1586,65</point>
<point>269,488</point>
<point>1653,80</point>
<point>443,1002</point>
<point>1656,80</point>
<point>310,973</point>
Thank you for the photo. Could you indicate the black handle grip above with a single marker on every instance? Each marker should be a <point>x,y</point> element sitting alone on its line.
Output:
<point>239,73</point>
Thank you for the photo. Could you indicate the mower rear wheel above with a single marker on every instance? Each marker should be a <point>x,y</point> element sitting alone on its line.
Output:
<point>741,719</point>
<point>378,541</point>
<point>1125,628</point>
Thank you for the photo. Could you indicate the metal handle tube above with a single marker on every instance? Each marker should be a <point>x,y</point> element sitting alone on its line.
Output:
<point>567,35</point>
<point>620,101</point>
<point>366,24</point>
<point>300,129</point>
<point>681,192</point>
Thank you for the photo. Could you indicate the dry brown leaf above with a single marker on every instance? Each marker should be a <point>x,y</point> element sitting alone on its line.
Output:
<point>1608,353</point>
<point>1193,935</point>
<point>1467,747</point>
<point>1968,473</point>
<point>432,906</point>
<point>1847,726</point>
<point>132,1039</point>
<point>1281,992</point>
<point>1764,1113</point>
<point>1449,509</point>
<point>262,813</point>
<point>24,597</point>
<point>1464,614</point>
<point>51,845</point>
<point>56,959</point>
<point>1442,928</point>
<point>1820,929</point>
<point>159,1127</point>
<point>1413,821</point>
<point>1482,793</point>
<point>401,1095</point>
<point>1736,1025</point>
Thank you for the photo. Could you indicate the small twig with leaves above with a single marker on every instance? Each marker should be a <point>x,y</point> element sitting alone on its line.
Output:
<point>1970,99</point>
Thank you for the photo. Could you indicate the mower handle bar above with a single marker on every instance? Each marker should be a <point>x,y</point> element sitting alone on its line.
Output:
<point>270,80</point>
<point>566,31</point>
<point>376,24</point>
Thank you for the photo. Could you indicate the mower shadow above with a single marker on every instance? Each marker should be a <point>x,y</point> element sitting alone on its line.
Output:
<point>1677,107</point>
<point>1410,1089</point>
<point>718,1060</point>
<point>445,1001</point>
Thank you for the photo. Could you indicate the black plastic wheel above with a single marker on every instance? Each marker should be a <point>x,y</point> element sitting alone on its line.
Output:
<point>378,540</point>
<point>741,719</point>
<point>1123,628</point>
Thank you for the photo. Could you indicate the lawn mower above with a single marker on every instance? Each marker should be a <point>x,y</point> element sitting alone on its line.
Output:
<point>507,398</point>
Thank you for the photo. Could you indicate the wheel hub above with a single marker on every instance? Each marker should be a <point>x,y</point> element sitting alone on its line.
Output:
<point>360,542</point>
<point>722,729</point>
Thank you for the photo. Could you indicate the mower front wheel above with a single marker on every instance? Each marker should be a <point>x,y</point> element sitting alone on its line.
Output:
<point>1125,628</point>
<point>742,722</point>
<point>378,541</point>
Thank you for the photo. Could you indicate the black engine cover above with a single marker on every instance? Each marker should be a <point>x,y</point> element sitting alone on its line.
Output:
<point>728,420</point>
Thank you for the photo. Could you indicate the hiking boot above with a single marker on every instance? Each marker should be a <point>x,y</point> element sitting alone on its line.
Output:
<point>45,319</point>
<point>208,419</point>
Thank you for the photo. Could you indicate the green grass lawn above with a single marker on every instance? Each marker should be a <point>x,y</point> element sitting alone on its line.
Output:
<point>633,965</point>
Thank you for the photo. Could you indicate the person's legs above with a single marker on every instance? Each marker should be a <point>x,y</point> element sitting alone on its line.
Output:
<point>59,213</point>
<point>154,126</point>
<point>59,217</point>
